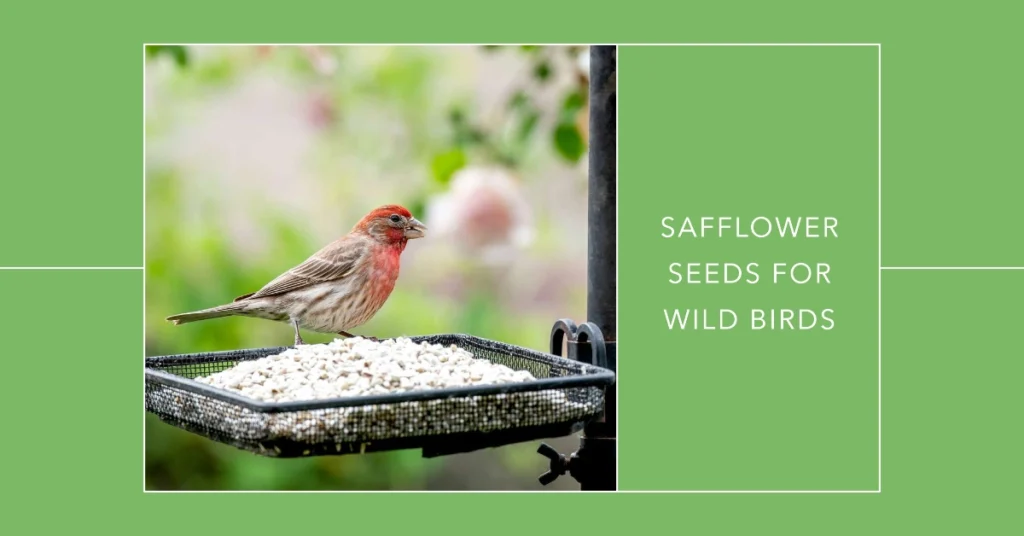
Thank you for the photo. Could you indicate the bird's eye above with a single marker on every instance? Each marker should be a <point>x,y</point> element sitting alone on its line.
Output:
<point>395,218</point>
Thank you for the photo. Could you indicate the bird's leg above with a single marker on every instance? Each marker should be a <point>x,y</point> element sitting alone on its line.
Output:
<point>298,338</point>
<point>349,335</point>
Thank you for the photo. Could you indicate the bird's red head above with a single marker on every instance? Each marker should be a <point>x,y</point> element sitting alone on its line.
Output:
<point>391,224</point>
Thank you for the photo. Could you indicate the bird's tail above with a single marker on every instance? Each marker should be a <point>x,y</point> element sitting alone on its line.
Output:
<point>229,309</point>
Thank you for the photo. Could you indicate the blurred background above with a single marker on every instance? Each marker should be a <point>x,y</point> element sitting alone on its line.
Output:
<point>256,156</point>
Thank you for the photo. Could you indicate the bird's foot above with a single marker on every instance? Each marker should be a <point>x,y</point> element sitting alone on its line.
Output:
<point>298,337</point>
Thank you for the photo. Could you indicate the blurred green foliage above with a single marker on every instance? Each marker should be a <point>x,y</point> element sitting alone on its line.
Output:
<point>524,114</point>
<point>192,263</point>
<point>176,52</point>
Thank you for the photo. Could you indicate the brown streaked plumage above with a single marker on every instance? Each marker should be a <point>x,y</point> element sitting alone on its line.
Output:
<point>337,288</point>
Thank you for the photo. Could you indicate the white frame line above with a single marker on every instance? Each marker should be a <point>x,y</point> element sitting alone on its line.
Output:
<point>952,267</point>
<point>142,371</point>
<point>35,268</point>
<point>879,268</point>
<point>879,156</point>
<point>518,44</point>
<point>512,492</point>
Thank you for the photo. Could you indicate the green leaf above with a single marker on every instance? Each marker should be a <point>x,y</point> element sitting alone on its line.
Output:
<point>542,71</point>
<point>505,158</point>
<point>568,141</point>
<point>445,164</point>
<point>180,55</point>
<point>573,103</point>
<point>468,135</point>
<point>457,116</point>
<point>176,52</point>
<point>528,125</point>
<point>529,48</point>
<point>518,100</point>
<point>153,51</point>
<point>528,114</point>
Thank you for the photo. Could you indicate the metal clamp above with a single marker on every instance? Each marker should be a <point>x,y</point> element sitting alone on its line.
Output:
<point>559,464</point>
<point>590,464</point>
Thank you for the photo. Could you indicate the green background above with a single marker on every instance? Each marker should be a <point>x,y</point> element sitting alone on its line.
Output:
<point>756,131</point>
<point>951,371</point>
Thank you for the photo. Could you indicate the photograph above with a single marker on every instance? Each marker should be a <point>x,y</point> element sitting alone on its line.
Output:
<point>378,267</point>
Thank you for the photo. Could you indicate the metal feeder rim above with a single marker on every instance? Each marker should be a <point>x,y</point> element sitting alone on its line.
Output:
<point>599,377</point>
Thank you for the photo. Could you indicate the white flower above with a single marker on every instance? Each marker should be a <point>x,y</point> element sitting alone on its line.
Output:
<point>583,62</point>
<point>484,212</point>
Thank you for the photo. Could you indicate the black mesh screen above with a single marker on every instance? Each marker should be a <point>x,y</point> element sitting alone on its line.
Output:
<point>476,415</point>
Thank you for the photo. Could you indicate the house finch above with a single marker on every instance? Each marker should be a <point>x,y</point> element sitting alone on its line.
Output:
<point>339,287</point>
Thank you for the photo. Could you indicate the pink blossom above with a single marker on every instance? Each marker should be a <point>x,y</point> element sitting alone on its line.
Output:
<point>484,212</point>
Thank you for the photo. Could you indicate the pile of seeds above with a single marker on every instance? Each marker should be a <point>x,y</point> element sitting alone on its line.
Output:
<point>361,367</point>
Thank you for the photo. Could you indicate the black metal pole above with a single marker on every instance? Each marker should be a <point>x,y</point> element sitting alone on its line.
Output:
<point>599,437</point>
<point>601,192</point>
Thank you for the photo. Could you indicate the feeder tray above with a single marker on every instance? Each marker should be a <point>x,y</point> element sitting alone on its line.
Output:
<point>566,395</point>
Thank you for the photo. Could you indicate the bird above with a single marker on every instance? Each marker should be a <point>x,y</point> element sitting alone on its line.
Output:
<point>338,288</point>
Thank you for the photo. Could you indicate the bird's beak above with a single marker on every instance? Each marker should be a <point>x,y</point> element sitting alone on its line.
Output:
<point>415,229</point>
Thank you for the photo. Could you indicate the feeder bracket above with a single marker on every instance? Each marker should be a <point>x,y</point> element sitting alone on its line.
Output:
<point>593,464</point>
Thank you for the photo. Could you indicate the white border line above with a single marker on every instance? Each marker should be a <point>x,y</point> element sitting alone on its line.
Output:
<point>518,44</point>
<point>142,372</point>
<point>617,183</point>
<point>880,269</point>
<point>14,268</point>
<point>952,268</point>
<point>879,156</point>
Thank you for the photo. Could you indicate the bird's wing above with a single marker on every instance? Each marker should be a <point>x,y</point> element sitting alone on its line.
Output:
<point>333,262</point>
